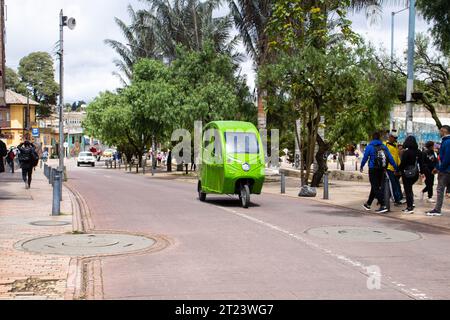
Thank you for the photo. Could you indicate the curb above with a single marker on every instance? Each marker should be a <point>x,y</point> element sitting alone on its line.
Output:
<point>84,280</point>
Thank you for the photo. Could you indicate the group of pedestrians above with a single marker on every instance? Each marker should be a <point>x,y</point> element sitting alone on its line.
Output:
<point>27,156</point>
<point>387,161</point>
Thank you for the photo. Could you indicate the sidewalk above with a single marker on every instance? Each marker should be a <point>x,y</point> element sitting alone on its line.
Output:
<point>347,194</point>
<point>26,275</point>
<point>352,195</point>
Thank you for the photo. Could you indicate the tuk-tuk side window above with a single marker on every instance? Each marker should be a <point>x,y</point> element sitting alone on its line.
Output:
<point>211,145</point>
<point>241,142</point>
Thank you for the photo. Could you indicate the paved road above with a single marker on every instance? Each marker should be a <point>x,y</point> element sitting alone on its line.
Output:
<point>221,251</point>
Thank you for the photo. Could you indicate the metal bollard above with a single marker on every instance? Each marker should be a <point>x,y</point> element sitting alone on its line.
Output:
<point>45,171</point>
<point>326,195</point>
<point>56,207</point>
<point>52,172</point>
<point>283,183</point>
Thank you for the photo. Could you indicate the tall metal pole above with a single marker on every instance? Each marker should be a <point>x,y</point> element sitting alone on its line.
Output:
<point>61,91</point>
<point>2,54</point>
<point>392,40</point>
<point>410,81</point>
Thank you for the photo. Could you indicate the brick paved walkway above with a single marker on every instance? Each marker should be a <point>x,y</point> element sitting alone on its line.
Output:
<point>26,275</point>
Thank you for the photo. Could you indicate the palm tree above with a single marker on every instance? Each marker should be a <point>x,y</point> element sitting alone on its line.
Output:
<point>189,23</point>
<point>251,18</point>
<point>141,42</point>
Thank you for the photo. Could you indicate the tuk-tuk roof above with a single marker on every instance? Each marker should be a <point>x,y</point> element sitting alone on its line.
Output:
<point>233,126</point>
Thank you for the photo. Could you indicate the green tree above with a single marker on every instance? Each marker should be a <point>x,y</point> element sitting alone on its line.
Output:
<point>141,42</point>
<point>191,24</point>
<point>13,82</point>
<point>199,85</point>
<point>251,18</point>
<point>432,75</point>
<point>437,12</point>
<point>209,87</point>
<point>37,73</point>
<point>324,70</point>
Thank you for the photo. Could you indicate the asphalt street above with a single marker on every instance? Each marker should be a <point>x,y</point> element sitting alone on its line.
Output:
<point>219,250</point>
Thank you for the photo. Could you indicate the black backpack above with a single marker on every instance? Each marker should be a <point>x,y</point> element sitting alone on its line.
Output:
<point>25,154</point>
<point>381,159</point>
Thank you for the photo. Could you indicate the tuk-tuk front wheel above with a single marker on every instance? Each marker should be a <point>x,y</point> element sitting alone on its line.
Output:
<point>201,195</point>
<point>244,196</point>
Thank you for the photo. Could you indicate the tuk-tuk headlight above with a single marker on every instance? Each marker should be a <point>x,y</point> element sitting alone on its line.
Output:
<point>246,167</point>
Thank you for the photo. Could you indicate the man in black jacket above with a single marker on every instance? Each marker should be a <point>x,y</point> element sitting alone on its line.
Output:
<point>27,159</point>
<point>3,152</point>
<point>430,162</point>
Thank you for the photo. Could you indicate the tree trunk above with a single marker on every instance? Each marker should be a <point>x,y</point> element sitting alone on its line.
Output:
<point>169,161</point>
<point>261,112</point>
<point>321,158</point>
<point>433,112</point>
<point>341,159</point>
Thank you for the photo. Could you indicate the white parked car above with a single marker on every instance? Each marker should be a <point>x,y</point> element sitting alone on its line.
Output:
<point>86,158</point>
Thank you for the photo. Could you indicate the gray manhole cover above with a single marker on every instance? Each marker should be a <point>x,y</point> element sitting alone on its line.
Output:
<point>88,244</point>
<point>50,223</point>
<point>363,234</point>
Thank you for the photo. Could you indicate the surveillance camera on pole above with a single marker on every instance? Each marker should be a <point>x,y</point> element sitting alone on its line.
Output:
<point>71,23</point>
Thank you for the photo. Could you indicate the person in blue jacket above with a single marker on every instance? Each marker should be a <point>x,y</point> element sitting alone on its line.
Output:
<point>443,171</point>
<point>378,156</point>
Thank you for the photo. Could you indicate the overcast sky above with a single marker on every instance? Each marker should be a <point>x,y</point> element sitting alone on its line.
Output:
<point>33,25</point>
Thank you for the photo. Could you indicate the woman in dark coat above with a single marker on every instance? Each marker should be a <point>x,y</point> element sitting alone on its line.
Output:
<point>411,158</point>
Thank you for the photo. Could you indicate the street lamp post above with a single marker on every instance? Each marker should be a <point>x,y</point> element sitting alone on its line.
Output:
<point>410,81</point>
<point>392,33</point>
<point>64,21</point>
<point>392,125</point>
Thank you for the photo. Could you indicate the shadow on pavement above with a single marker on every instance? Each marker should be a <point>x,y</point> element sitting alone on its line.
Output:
<point>229,202</point>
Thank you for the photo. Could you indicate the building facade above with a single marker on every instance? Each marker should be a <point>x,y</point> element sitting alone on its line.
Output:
<point>18,119</point>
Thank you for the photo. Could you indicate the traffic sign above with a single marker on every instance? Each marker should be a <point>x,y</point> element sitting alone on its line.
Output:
<point>35,132</point>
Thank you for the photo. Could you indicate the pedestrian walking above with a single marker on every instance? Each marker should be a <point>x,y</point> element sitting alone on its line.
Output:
<point>443,171</point>
<point>430,162</point>
<point>28,159</point>
<point>45,155</point>
<point>394,181</point>
<point>10,157</point>
<point>411,166</point>
<point>3,153</point>
<point>378,156</point>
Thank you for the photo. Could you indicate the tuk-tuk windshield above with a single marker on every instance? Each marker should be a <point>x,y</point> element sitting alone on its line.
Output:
<point>241,142</point>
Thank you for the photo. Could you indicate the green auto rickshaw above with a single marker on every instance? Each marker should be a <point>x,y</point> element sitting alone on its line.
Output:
<point>232,160</point>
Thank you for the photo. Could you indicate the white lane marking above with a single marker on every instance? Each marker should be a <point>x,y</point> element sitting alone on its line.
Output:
<point>413,293</point>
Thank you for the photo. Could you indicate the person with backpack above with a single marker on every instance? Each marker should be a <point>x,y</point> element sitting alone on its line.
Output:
<point>3,152</point>
<point>391,144</point>
<point>443,171</point>
<point>378,156</point>
<point>411,166</point>
<point>28,159</point>
<point>430,162</point>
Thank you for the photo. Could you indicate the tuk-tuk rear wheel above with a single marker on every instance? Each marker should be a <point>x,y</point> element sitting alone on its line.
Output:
<point>244,196</point>
<point>201,195</point>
